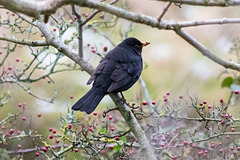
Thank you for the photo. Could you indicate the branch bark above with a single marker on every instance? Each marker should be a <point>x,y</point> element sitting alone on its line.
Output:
<point>24,41</point>
<point>206,52</point>
<point>208,3</point>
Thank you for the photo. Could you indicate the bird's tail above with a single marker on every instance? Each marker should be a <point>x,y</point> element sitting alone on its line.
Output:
<point>89,101</point>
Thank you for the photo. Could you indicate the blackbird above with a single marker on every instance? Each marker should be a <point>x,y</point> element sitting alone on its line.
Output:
<point>117,72</point>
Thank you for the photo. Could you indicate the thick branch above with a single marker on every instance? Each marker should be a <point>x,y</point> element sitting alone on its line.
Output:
<point>206,52</point>
<point>209,22</point>
<point>32,43</point>
<point>147,152</point>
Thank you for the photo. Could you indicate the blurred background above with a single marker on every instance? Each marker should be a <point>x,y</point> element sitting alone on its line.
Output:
<point>170,63</point>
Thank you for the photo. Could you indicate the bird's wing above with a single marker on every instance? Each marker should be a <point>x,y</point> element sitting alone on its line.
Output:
<point>123,76</point>
<point>98,70</point>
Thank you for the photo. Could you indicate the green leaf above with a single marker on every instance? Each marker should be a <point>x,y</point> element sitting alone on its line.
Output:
<point>117,148</point>
<point>227,82</point>
<point>102,130</point>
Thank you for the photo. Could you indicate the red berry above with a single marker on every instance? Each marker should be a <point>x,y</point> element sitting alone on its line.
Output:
<point>39,114</point>
<point>185,143</point>
<point>71,97</point>
<point>212,145</point>
<point>111,147</point>
<point>88,44</point>
<point>201,104</point>
<point>19,104</point>
<point>91,129</point>
<point>42,35</point>
<point>181,97</point>
<point>222,122</point>
<point>69,126</point>
<point>165,99</point>
<point>200,152</point>
<point>238,148</point>
<point>53,147</point>
<point>117,138</point>
<point>101,16</point>
<point>112,129</point>
<point>19,146</point>
<point>17,59</point>
<point>205,151</point>
<point>174,157</point>
<point>231,148</point>
<point>193,145</point>
<point>233,129</point>
<point>57,140</point>
<point>163,139</point>
<point>105,49</point>
<point>236,91</point>
<point>153,102</point>
<point>9,68</point>
<point>54,131</point>
<point>162,145</point>
<point>76,150</point>
<point>94,51</point>
<point>102,151</point>
<point>110,117</point>
<point>227,136</point>
<point>144,102</point>
<point>75,17</point>
<point>204,102</point>
<point>54,29</point>
<point>94,113</point>
<point>37,154</point>
<point>51,136</point>
<point>50,129</point>
<point>24,118</point>
<point>11,131</point>
<point>209,106</point>
<point>44,149</point>
<point>85,14</point>
<point>221,100</point>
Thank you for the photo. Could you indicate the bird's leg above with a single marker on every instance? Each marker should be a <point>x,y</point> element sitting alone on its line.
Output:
<point>123,98</point>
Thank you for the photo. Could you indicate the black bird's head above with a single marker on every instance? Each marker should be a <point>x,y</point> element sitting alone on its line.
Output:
<point>134,44</point>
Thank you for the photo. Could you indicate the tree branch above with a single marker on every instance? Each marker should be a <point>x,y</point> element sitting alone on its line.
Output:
<point>32,43</point>
<point>146,148</point>
<point>164,11</point>
<point>209,22</point>
<point>206,52</point>
<point>208,3</point>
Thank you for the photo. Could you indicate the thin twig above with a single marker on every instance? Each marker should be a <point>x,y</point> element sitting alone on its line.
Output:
<point>164,11</point>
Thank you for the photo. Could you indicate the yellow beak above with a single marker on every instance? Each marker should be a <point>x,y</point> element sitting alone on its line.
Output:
<point>145,44</point>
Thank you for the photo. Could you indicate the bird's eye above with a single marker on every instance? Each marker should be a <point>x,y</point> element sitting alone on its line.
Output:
<point>136,46</point>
